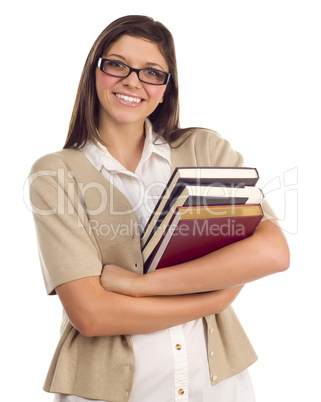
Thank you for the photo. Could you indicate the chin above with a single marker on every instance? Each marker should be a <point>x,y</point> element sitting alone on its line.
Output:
<point>128,118</point>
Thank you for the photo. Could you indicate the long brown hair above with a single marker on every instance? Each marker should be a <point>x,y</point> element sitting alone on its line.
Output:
<point>165,118</point>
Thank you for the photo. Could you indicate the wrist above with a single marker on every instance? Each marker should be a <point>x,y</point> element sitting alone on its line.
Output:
<point>141,286</point>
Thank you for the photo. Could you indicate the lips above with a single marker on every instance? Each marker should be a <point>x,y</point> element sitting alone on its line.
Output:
<point>129,99</point>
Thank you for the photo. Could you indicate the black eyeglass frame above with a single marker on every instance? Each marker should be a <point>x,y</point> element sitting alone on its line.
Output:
<point>100,65</point>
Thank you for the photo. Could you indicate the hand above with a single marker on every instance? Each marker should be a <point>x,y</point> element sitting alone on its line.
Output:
<point>120,280</point>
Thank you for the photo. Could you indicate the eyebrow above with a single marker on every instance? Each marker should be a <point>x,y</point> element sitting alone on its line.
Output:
<point>149,64</point>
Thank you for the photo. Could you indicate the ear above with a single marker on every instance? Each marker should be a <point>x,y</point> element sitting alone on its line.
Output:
<point>162,99</point>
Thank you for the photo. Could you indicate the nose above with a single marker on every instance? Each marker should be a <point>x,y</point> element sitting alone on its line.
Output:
<point>132,79</point>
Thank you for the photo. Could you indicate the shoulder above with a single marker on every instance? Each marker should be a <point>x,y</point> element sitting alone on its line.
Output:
<point>207,147</point>
<point>195,135</point>
<point>61,159</point>
<point>59,169</point>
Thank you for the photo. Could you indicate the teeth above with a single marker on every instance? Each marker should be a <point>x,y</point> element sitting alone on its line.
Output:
<point>128,98</point>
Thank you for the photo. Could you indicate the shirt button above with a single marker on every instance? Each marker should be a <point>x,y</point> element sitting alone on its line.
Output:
<point>211,330</point>
<point>178,346</point>
<point>180,391</point>
<point>212,354</point>
<point>214,378</point>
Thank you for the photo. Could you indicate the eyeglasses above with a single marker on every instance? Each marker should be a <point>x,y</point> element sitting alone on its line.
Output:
<point>119,69</point>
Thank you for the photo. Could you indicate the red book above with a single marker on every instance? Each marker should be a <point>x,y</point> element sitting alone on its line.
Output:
<point>198,230</point>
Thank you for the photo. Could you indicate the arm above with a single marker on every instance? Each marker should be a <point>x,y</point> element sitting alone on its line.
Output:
<point>264,253</point>
<point>93,311</point>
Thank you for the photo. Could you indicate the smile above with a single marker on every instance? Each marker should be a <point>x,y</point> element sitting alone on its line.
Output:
<point>128,98</point>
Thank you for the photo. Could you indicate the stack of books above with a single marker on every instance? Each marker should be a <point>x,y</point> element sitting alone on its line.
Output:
<point>200,211</point>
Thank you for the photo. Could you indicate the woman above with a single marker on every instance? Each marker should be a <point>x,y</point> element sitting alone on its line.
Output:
<point>90,200</point>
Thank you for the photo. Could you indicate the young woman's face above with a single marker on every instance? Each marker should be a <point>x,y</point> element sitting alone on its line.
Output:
<point>128,100</point>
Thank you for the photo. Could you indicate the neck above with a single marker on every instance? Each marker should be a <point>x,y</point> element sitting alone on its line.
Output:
<point>125,143</point>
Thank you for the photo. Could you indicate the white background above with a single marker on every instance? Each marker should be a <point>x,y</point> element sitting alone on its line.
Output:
<point>248,69</point>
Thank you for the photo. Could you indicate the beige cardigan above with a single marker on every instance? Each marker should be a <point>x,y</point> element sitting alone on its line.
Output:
<point>75,208</point>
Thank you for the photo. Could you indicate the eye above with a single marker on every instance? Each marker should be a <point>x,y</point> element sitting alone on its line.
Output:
<point>153,73</point>
<point>152,76</point>
<point>114,65</point>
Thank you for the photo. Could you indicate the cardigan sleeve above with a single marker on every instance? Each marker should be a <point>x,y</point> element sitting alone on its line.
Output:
<point>67,248</point>
<point>203,147</point>
<point>222,154</point>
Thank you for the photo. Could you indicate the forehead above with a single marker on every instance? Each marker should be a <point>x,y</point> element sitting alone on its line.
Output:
<point>137,50</point>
